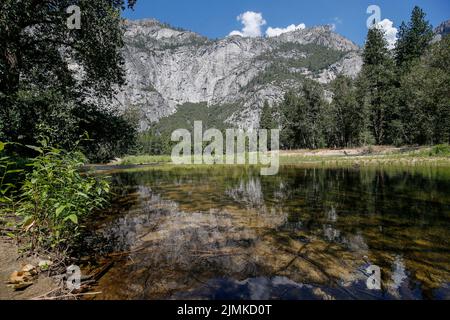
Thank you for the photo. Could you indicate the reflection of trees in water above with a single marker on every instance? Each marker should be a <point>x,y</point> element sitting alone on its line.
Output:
<point>339,218</point>
<point>122,232</point>
<point>183,250</point>
<point>331,234</point>
<point>249,193</point>
<point>378,214</point>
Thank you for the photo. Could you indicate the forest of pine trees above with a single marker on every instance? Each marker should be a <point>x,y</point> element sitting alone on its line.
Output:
<point>401,97</point>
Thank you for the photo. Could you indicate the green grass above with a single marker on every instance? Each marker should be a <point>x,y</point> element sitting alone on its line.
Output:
<point>441,150</point>
<point>145,159</point>
<point>365,161</point>
<point>435,156</point>
<point>156,159</point>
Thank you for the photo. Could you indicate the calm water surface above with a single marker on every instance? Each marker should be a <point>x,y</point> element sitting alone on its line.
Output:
<point>228,233</point>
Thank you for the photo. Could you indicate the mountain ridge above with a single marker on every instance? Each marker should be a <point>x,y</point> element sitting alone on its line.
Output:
<point>167,67</point>
<point>442,30</point>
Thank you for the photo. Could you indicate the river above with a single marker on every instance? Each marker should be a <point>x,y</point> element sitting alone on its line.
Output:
<point>306,233</point>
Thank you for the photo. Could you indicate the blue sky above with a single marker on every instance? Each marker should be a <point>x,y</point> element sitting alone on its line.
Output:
<point>217,18</point>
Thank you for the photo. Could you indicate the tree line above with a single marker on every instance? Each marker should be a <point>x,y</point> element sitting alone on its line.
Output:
<point>401,96</point>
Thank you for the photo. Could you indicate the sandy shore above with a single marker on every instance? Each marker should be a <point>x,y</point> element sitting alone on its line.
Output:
<point>10,261</point>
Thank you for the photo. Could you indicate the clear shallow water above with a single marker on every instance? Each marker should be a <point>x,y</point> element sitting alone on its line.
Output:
<point>228,233</point>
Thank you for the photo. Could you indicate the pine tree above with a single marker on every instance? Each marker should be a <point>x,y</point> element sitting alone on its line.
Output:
<point>288,109</point>
<point>427,98</point>
<point>303,117</point>
<point>266,121</point>
<point>413,38</point>
<point>376,85</point>
<point>346,114</point>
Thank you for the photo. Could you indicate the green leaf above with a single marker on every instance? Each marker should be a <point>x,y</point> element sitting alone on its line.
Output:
<point>59,210</point>
<point>35,148</point>
<point>5,190</point>
<point>83,195</point>
<point>14,171</point>
<point>2,146</point>
<point>73,218</point>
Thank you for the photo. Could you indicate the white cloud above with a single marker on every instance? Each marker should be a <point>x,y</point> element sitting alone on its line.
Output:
<point>390,32</point>
<point>275,32</point>
<point>252,22</point>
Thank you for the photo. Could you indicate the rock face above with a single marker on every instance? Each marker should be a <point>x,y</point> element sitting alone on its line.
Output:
<point>350,66</point>
<point>167,67</point>
<point>442,31</point>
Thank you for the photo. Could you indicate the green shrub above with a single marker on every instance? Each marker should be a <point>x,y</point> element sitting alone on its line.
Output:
<point>8,169</point>
<point>55,197</point>
<point>441,150</point>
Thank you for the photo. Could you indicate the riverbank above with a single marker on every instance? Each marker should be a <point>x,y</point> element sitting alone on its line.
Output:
<point>11,261</point>
<point>363,156</point>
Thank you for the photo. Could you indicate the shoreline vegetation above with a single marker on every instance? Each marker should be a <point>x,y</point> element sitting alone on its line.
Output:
<point>360,157</point>
<point>44,206</point>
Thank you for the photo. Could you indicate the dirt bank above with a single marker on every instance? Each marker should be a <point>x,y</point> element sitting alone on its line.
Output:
<point>10,261</point>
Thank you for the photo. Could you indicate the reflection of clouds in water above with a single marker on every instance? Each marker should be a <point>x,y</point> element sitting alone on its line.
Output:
<point>259,288</point>
<point>282,192</point>
<point>398,275</point>
<point>329,231</point>
<point>178,246</point>
<point>356,243</point>
<point>331,234</point>
<point>248,192</point>
<point>332,215</point>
